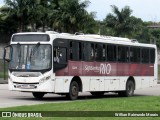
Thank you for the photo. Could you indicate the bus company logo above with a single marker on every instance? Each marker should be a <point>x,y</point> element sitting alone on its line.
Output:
<point>105,69</point>
<point>102,69</point>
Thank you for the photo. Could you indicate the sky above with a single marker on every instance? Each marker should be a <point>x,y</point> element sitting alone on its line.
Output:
<point>147,10</point>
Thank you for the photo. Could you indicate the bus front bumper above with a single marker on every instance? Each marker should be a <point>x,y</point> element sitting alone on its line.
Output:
<point>46,86</point>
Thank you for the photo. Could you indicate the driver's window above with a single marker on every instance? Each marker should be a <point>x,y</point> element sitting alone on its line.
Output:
<point>60,55</point>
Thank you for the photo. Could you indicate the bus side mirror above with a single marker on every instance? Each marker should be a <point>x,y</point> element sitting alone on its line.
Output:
<point>7,53</point>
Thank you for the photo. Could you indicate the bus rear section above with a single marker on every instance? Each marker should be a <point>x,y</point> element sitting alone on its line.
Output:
<point>68,64</point>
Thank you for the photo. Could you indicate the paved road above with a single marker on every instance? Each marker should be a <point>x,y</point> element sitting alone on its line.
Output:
<point>14,98</point>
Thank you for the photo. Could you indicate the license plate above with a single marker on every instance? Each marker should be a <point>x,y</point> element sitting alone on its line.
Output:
<point>26,86</point>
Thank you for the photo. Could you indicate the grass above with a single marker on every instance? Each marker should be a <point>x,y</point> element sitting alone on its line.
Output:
<point>85,118</point>
<point>104,104</point>
<point>136,103</point>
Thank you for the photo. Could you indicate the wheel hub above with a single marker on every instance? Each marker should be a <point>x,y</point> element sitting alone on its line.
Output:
<point>74,90</point>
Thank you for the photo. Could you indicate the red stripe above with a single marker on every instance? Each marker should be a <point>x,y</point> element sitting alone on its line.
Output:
<point>78,68</point>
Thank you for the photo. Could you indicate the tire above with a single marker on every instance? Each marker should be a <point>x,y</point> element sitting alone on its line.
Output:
<point>73,91</point>
<point>38,95</point>
<point>130,86</point>
<point>97,93</point>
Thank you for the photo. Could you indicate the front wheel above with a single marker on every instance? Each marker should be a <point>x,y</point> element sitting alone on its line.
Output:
<point>130,86</point>
<point>38,95</point>
<point>73,91</point>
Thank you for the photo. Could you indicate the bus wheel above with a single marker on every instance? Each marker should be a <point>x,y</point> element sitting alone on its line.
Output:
<point>73,91</point>
<point>97,93</point>
<point>38,95</point>
<point>129,89</point>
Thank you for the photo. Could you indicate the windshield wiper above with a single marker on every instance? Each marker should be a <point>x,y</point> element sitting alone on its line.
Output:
<point>34,49</point>
<point>19,54</point>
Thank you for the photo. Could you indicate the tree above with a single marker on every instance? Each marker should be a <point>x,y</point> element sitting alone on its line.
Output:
<point>7,23</point>
<point>155,37</point>
<point>18,9</point>
<point>45,13</point>
<point>90,25</point>
<point>71,16</point>
<point>60,15</point>
<point>7,26</point>
<point>121,23</point>
<point>27,13</point>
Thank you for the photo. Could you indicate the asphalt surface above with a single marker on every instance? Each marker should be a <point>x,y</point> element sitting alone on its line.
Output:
<point>14,98</point>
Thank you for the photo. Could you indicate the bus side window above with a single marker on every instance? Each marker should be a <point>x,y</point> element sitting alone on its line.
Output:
<point>60,55</point>
<point>80,51</point>
<point>75,50</point>
<point>152,55</point>
<point>92,52</point>
<point>55,53</point>
<point>145,55</point>
<point>111,53</point>
<point>104,52</point>
<point>135,54</point>
<point>88,51</point>
<point>63,55</point>
<point>123,54</point>
<point>99,52</point>
<point>71,51</point>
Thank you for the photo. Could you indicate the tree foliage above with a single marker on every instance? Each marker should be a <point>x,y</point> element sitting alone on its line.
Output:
<point>71,16</point>
<point>60,15</point>
<point>121,22</point>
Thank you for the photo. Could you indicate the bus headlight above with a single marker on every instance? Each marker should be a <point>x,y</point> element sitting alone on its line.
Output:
<point>44,79</point>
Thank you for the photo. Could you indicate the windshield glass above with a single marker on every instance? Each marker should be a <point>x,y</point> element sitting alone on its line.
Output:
<point>30,57</point>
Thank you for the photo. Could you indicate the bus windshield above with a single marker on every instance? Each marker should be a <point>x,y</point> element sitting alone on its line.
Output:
<point>30,57</point>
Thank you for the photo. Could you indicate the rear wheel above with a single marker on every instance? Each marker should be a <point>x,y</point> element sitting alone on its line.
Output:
<point>38,95</point>
<point>73,91</point>
<point>97,93</point>
<point>130,86</point>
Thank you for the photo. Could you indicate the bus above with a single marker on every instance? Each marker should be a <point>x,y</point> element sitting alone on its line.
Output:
<point>66,64</point>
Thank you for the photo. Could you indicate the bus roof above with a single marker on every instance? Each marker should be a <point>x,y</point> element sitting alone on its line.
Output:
<point>90,37</point>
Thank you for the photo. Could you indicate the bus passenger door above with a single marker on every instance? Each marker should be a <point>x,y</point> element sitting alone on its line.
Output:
<point>60,59</point>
